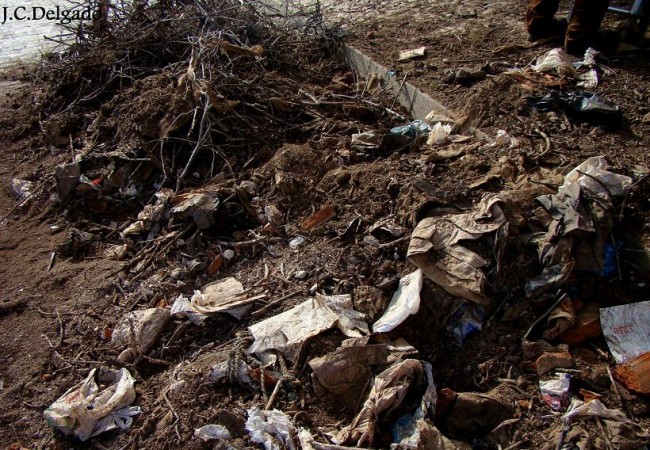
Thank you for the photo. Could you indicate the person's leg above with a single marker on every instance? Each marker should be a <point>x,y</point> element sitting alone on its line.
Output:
<point>539,18</point>
<point>584,24</point>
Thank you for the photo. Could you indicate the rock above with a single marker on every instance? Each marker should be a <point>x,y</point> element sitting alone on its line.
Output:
<point>148,324</point>
<point>549,361</point>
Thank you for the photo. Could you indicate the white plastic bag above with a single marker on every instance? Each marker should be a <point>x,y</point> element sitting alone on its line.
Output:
<point>212,432</point>
<point>555,60</point>
<point>438,134</point>
<point>85,411</point>
<point>263,426</point>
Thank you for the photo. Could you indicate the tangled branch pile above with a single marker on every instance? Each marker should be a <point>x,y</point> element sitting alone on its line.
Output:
<point>181,82</point>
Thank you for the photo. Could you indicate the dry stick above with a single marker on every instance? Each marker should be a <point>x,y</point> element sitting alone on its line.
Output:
<point>275,302</point>
<point>199,141</point>
<point>617,393</point>
<point>5,307</point>
<point>548,143</point>
<point>274,394</point>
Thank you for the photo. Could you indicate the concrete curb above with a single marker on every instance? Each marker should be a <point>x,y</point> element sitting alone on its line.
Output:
<point>414,100</point>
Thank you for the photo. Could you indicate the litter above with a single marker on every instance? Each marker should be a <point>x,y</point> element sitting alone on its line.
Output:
<point>439,134</point>
<point>593,175</point>
<point>415,433</point>
<point>435,248</point>
<point>389,390</point>
<point>555,393</point>
<point>85,411</point>
<point>627,330</point>
<point>67,178</point>
<point>367,141</point>
<point>412,130</point>
<point>405,302</point>
<point>22,188</point>
<point>287,331</point>
<point>405,55</point>
<point>555,60</point>
<point>200,206</point>
<point>265,427</point>
<point>594,408</point>
<point>578,216</point>
<point>237,371</point>
<point>581,106</point>
<point>212,432</point>
<point>222,296</point>
<point>340,377</point>
<point>466,320</point>
<point>150,214</point>
<point>296,242</point>
<point>503,139</point>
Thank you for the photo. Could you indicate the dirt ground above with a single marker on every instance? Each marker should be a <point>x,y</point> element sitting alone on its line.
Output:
<point>53,330</point>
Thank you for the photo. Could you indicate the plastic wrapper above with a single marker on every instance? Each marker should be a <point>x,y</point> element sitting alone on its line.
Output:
<point>555,393</point>
<point>439,134</point>
<point>405,301</point>
<point>555,60</point>
<point>212,432</point>
<point>593,408</point>
<point>414,129</point>
<point>269,427</point>
<point>22,188</point>
<point>87,411</point>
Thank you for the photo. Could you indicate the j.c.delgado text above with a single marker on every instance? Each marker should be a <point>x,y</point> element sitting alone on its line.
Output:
<point>59,14</point>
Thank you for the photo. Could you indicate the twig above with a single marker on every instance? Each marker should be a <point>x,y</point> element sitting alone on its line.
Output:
<point>395,242</point>
<point>52,258</point>
<point>61,329</point>
<point>274,394</point>
<point>198,145</point>
<point>548,143</point>
<point>5,307</point>
<point>275,302</point>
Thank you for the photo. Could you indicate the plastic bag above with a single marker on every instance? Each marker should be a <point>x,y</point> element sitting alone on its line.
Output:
<point>438,134</point>
<point>85,411</point>
<point>212,432</point>
<point>555,393</point>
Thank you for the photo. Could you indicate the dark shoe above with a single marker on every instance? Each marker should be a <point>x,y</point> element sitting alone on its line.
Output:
<point>605,41</point>
<point>554,31</point>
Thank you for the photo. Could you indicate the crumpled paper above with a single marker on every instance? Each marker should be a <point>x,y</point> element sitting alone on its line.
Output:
<point>223,296</point>
<point>85,411</point>
<point>287,331</point>
<point>435,248</point>
<point>389,390</point>
<point>342,377</point>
